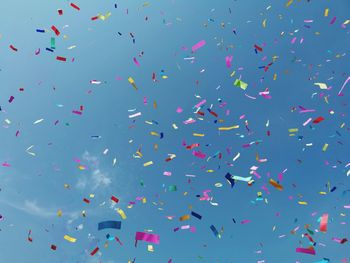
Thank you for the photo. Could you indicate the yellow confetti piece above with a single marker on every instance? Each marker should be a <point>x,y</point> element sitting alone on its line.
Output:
<point>346,22</point>
<point>70,239</point>
<point>59,213</point>
<point>199,134</point>
<point>184,217</point>
<point>233,73</point>
<point>326,99</point>
<point>276,185</point>
<point>81,167</point>
<point>210,171</point>
<point>322,193</point>
<point>104,17</point>
<point>154,133</point>
<point>148,163</point>
<point>293,130</point>
<point>302,203</point>
<point>289,3</point>
<point>342,125</point>
<point>325,146</point>
<point>326,11</point>
<point>132,82</point>
<point>174,126</point>
<point>228,128</point>
<point>139,153</point>
<point>274,76</point>
<point>121,213</point>
<point>144,200</point>
<point>321,85</point>
<point>150,248</point>
<point>264,23</point>
<point>92,195</point>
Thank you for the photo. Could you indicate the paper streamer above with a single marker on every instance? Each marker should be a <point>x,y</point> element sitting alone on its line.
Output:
<point>151,238</point>
<point>109,224</point>
<point>346,82</point>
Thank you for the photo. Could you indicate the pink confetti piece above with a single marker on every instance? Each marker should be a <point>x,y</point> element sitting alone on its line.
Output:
<point>179,110</point>
<point>200,103</point>
<point>136,62</point>
<point>198,45</point>
<point>228,61</point>
<point>199,154</point>
<point>151,238</point>
<point>5,164</point>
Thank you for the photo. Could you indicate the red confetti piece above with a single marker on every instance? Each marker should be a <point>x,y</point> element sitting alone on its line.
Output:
<point>86,201</point>
<point>54,29</point>
<point>214,114</point>
<point>258,48</point>
<point>53,247</point>
<point>318,120</point>
<point>323,223</point>
<point>61,58</point>
<point>94,18</point>
<point>94,251</point>
<point>29,237</point>
<point>60,11</point>
<point>13,48</point>
<point>113,198</point>
<point>75,6</point>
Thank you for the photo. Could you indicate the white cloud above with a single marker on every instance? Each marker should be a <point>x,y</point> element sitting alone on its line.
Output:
<point>98,177</point>
<point>31,208</point>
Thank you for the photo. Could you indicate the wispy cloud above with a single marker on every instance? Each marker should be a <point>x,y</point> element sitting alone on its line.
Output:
<point>31,207</point>
<point>98,178</point>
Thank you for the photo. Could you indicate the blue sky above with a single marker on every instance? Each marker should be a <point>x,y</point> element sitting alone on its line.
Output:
<point>68,132</point>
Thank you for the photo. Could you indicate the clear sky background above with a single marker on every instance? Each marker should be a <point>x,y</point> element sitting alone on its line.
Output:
<point>304,47</point>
